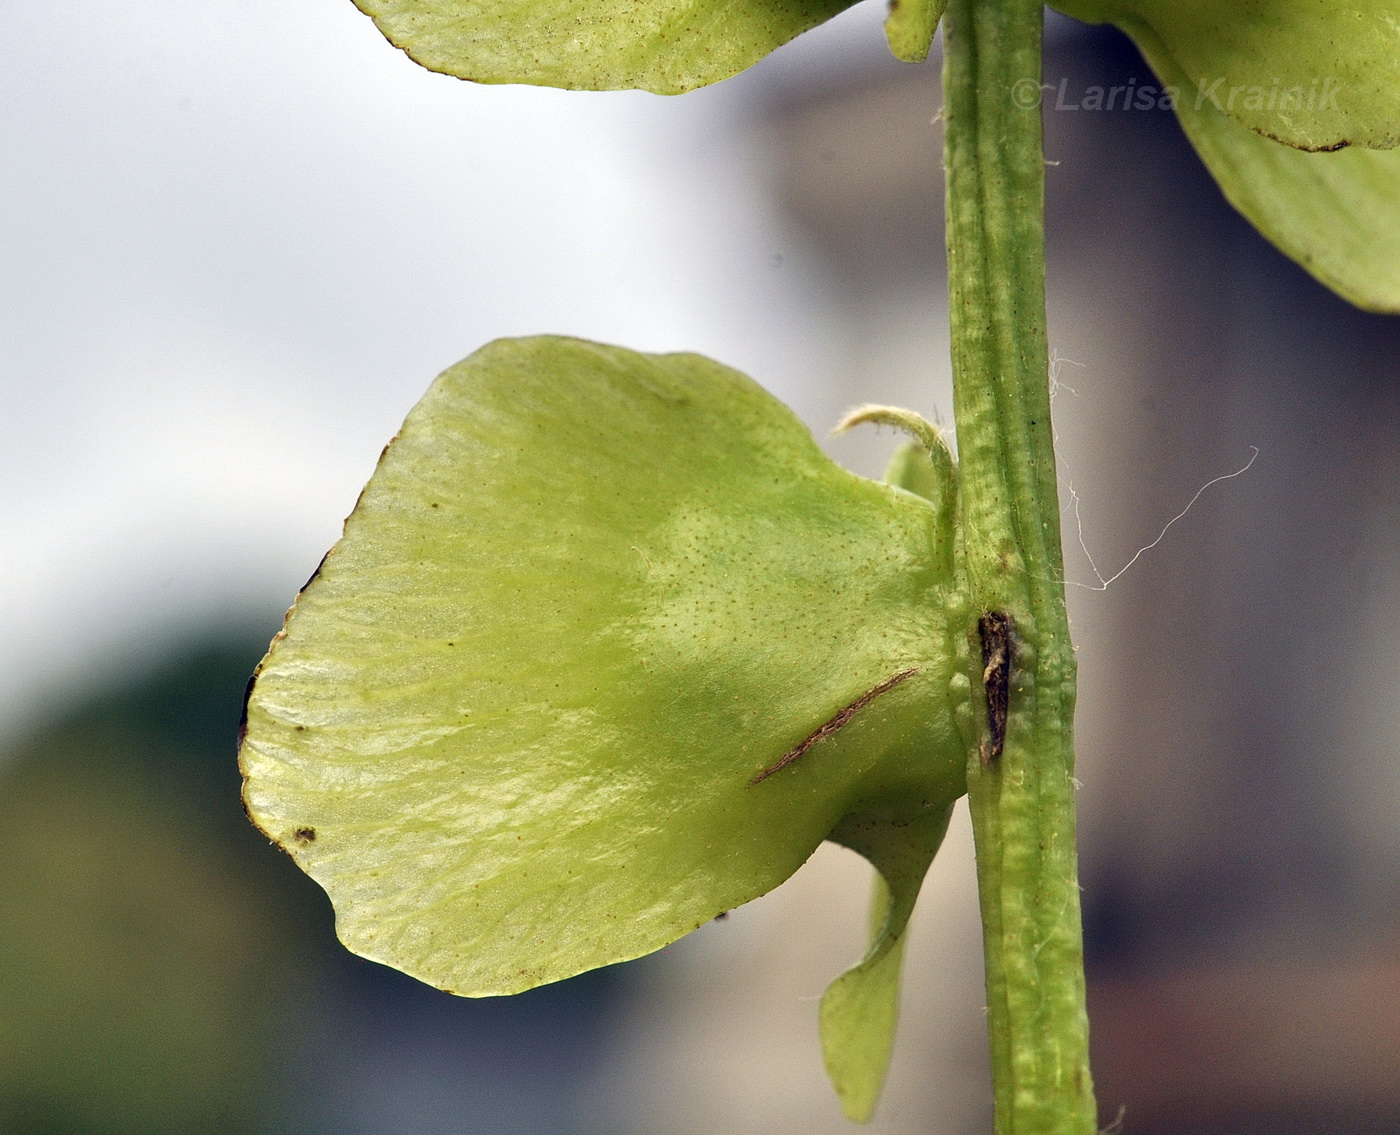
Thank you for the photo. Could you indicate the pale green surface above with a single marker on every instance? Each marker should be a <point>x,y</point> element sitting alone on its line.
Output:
<point>1021,803</point>
<point>1337,214</point>
<point>910,26</point>
<point>1315,74</point>
<point>587,595</point>
<point>860,1009</point>
<point>666,46</point>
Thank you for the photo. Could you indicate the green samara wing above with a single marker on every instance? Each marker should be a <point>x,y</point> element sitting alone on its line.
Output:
<point>1312,74</point>
<point>666,46</point>
<point>1336,214</point>
<point>608,647</point>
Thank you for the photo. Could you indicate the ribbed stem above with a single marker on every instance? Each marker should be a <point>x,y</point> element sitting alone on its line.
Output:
<point>1022,797</point>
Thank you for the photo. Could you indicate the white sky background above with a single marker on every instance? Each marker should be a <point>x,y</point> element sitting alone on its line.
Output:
<point>238,241</point>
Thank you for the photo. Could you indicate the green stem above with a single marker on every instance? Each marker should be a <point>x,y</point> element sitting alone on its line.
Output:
<point>1022,799</point>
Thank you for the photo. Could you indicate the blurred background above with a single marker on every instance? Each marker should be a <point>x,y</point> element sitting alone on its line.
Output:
<point>235,246</point>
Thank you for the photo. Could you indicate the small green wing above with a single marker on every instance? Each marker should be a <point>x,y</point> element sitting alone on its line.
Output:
<point>1311,74</point>
<point>517,725</point>
<point>666,46</point>
<point>860,1009</point>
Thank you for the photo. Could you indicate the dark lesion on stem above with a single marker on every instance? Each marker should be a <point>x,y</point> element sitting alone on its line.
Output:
<point>826,729</point>
<point>998,634</point>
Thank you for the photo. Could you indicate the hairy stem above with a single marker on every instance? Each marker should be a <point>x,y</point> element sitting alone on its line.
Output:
<point>1020,780</point>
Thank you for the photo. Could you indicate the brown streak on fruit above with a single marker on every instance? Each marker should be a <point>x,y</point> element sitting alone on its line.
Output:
<point>826,730</point>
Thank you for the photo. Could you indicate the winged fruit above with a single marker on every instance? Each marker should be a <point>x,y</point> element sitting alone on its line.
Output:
<point>1267,92</point>
<point>1295,108</point>
<point>608,648</point>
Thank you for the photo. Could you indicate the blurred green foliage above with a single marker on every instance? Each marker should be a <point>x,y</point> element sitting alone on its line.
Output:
<point>155,950</point>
